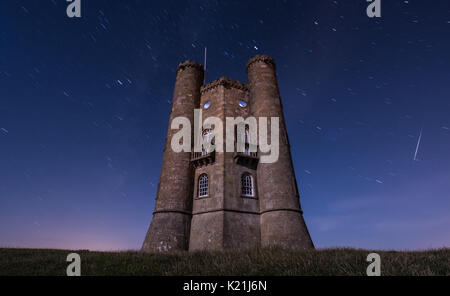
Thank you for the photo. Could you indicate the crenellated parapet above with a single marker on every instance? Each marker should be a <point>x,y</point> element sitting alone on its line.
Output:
<point>261,58</point>
<point>226,82</point>
<point>190,64</point>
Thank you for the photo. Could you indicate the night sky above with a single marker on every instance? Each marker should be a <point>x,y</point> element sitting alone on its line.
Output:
<point>84,108</point>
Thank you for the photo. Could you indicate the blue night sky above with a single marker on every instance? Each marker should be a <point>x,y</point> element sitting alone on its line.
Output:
<point>84,107</point>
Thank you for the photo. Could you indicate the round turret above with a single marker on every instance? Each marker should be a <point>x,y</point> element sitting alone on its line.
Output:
<point>282,222</point>
<point>170,226</point>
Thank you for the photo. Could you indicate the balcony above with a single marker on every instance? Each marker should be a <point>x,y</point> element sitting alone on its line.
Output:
<point>202,158</point>
<point>247,158</point>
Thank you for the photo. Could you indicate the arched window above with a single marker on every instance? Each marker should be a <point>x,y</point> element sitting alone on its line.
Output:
<point>247,185</point>
<point>203,185</point>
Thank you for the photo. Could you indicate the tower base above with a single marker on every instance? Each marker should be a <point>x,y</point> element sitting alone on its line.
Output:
<point>168,232</point>
<point>285,229</point>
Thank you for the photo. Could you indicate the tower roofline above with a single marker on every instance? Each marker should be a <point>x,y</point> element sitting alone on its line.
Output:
<point>192,64</point>
<point>226,82</point>
<point>260,58</point>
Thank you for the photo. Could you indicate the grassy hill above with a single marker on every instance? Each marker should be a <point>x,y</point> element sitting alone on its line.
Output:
<point>252,262</point>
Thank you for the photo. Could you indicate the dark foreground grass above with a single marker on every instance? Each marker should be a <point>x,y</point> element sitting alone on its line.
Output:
<point>243,263</point>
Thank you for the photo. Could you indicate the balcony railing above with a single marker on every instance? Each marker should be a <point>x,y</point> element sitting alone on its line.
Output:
<point>202,158</point>
<point>247,158</point>
<point>248,153</point>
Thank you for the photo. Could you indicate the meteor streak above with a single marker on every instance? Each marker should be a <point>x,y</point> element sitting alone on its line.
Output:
<point>418,144</point>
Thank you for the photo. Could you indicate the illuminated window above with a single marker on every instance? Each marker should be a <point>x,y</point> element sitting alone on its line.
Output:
<point>207,105</point>
<point>203,185</point>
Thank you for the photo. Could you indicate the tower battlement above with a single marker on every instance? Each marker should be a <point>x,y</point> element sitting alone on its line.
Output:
<point>226,82</point>
<point>261,58</point>
<point>192,64</point>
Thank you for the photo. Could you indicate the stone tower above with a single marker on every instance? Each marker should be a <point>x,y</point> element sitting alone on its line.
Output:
<point>213,200</point>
